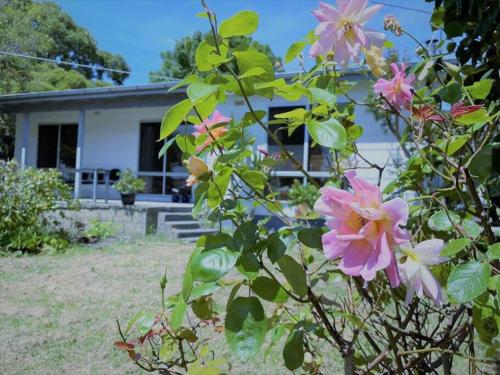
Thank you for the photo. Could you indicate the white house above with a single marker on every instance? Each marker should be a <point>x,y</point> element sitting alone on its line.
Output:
<point>97,130</point>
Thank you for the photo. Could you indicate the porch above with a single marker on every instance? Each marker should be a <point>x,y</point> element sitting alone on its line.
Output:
<point>91,135</point>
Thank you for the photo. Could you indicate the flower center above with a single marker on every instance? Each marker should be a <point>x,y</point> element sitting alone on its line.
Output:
<point>411,254</point>
<point>361,221</point>
<point>347,26</point>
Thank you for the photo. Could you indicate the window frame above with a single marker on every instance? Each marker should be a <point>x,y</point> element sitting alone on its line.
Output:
<point>164,174</point>
<point>58,146</point>
<point>305,157</point>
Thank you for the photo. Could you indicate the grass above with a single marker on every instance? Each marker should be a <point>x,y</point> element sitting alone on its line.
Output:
<point>58,313</point>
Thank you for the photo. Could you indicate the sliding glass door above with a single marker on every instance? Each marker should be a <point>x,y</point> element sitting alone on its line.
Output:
<point>160,174</point>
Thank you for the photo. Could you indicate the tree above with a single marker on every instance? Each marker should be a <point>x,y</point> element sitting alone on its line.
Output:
<point>44,30</point>
<point>181,61</point>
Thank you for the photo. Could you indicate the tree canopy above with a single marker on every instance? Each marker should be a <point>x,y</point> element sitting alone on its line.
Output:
<point>44,30</point>
<point>181,60</point>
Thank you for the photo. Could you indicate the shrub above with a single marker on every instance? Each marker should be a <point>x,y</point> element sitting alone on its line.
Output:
<point>99,230</point>
<point>303,197</point>
<point>26,197</point>
<point>129,183</point>
<point>393,284</point>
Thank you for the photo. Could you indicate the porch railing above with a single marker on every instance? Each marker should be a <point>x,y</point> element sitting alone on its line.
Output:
<point>95,181</point>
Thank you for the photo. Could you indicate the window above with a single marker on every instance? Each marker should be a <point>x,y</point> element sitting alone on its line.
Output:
<point>57,146</point>
<point>316,160</point>
<point>160,174</point>
<point>294,143</point>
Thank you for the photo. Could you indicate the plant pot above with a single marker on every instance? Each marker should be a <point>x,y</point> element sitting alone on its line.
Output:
<point>128,199</point>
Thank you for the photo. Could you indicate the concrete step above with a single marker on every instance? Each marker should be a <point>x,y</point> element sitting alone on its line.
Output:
<point>192,233</point>
<point>183,208</point>
<point>175,216</point>
<point>191,224</point>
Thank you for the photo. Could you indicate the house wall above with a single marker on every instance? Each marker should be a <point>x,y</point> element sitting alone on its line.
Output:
<point>111,136</point>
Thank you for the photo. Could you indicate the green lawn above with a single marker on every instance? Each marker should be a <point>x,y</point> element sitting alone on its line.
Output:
<point>57,313</point>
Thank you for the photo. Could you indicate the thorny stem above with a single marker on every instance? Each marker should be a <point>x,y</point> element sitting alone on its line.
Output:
<point>481,213</point>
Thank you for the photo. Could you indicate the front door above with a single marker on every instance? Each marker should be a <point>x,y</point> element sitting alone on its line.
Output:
<point>165,176</point>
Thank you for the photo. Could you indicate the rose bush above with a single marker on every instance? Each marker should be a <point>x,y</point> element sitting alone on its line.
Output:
<point>356,285</point>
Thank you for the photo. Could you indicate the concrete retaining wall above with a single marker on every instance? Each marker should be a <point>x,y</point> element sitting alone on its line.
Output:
<point>130,221</point>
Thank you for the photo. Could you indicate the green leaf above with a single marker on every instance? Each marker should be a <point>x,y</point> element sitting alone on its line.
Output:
<point>173,117</point>
<point>198,92</point>
<point>187,281</point>
<point>206,107</point>
<point>249,118</point>
<point>254,179</point>
<point>480,89</point>
<point>467,281</point>
<point>493,251</point>
<point>178,313</point>
<point>268,289</point>
<point>455,246</point>
<point>311,237</point>
<point>441,223</point>
<point>166,146</point>
<point>202,308</point>
<point>477,117</point>
<point>328,133</point>
<point>254,72</point>
<point>279,83</point>
<point>294,50</point>
<point>322,96</point>
<point>471,228</point>
<point>294,273</point>
<point>486,318</point>
<point>437,17</point>
<point>218,188</point>
<point>145,322</point>
<point>250,59</point>
<point>453,29</point>
<point>231,155</point>
<point>246,235</point>
<point>192,78</point>
<point>248,265</point>
<point>293,351</point>
<point>167,350</point>
<point>203,290</point>
<point>138,315</point>
<point>451,93</point>
<point>455,144</point>
<point>297,113</point>
<point>242,23</point>
<point>206,55</point>
<point>481,165</point>
<point>275,248</point>
<point>186,143</point>
<point>245,326</point>
<point>211,265</point>
<point>388,44</point>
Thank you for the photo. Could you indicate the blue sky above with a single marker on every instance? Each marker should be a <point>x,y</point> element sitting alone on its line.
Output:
<point>140,29</point>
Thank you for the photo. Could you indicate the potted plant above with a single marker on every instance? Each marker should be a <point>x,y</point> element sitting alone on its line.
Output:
<point>129,185</point>
<point>302,198</point>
